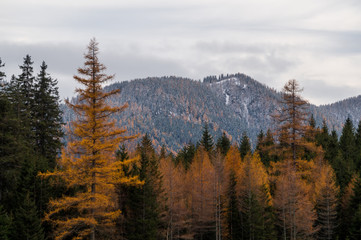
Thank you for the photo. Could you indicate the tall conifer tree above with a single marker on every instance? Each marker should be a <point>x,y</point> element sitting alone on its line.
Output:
<point>146,203</point>
<point>5,223</point>
<point>88,162</point>
<point>232,214</point>
<point>245,146</point>
<point>291,120</point>
<point>47,113</point>
<point>358,147</point>
<point>27,224</point>
<point>223,144</point>
<point>207,139</point>
<point>348,150</point>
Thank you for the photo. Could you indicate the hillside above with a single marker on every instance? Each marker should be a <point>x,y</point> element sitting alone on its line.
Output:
<point>173,110</point>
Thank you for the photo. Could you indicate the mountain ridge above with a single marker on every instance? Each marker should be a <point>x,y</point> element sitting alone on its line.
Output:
<point>173,110</point>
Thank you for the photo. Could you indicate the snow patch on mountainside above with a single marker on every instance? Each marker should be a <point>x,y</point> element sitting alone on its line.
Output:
<point>234,80</point>
<point>227,99</point>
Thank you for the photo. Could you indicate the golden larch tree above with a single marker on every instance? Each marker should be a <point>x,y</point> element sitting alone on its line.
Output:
<point>255,198</point>
<point>293,201</point>
<point>177,218</point>
<point>232,222</point>
<point>200,182</point>
<point>87,165</point>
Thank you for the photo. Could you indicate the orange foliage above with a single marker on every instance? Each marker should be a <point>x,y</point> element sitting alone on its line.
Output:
<point>252,176</point>
<point>178,216</point>
<point>293,203</point>
<point>232,162</point>
<point>200,183</point>
<point>87,163</point>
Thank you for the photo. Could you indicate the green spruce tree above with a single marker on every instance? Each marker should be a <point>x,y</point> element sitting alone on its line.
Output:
<point>186,155</point>
<point>146,203</point>
<point>348,150</point>
<point>265,147</point>
<point>245,146</point>
<point>358,147</point>
<point>48,132</point>
<point>323,137</point>
<point>233,215</point>
<point>207,139</point>
<point>25,86</point>
<point>333,147</point>
<point>27,224</point>
<point>5,223</point>
<point>223,144</point>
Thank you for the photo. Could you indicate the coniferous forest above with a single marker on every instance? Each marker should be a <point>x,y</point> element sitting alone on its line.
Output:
<point>79,180</point>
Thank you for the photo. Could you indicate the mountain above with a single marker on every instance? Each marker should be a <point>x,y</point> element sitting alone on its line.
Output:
<point>173,110</point>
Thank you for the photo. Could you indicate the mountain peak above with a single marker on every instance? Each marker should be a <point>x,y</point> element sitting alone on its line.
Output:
<point>173,110</point>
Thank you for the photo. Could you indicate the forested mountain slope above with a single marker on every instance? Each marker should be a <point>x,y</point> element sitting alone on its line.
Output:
<point>173,110</point>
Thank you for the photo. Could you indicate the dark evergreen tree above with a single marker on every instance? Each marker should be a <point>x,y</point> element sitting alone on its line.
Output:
<point>27,224</point>
<point>5,223</point>
<point>245,146</point>
<point>265,147</point>
<point>21,92</point>
<point>260,140</point>
<point>258,219</point>
<point>207,139</point>
<point>145,205</point>
<point>26,81</point>
<point>186,155</point>
<point>223,144</point>
<point>252,218</point>
<point>122,192</point>
<point>355,228</point>
<point>323,137</point>
<point>267,228</point>
<point>343,175</point>
<point>312,122</point>
<point>15,150</point>
<point>332,148</point>
<point>48,132</point>
<point>348,150</point>
<point>358,147</point>
<point>233,216</point>
<point>122,153</point>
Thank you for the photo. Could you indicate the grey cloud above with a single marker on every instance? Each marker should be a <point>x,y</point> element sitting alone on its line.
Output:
<point>321,92</point>
<point>129,66</point>
<point>64,59</point>
<point>268,63</point>
<point>227,47</point>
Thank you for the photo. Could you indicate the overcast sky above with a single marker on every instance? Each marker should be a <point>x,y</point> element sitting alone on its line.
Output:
<point>317,43</point>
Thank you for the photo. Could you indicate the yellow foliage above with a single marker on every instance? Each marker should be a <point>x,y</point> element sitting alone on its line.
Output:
<point>324,178</point>
<point>87,164</point>
<point>200,184</point>
<point>253,177</point>
<point>293,200</point>
<point>232,162</point>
